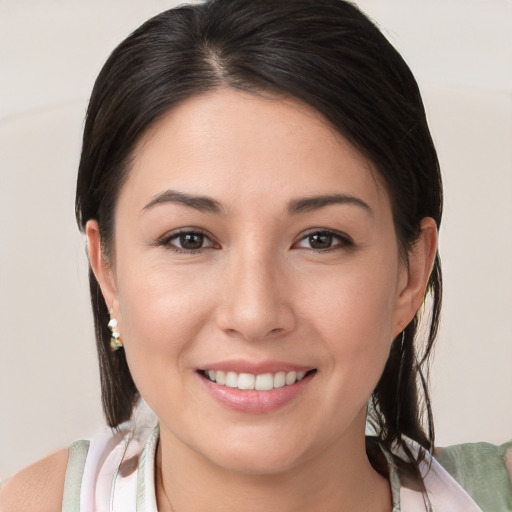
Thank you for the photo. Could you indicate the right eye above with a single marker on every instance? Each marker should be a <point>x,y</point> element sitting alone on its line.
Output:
<point>187,242</point>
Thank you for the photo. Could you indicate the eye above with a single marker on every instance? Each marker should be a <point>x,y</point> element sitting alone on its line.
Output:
<point>187,241</point>
<point>324,240</point>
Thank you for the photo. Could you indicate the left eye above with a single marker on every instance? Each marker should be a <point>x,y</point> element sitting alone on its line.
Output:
<point>322,240</point>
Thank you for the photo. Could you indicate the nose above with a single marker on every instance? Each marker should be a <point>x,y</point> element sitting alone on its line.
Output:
<point>256,301</point>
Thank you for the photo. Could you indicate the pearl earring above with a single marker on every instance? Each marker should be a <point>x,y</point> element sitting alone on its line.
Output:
<point>115,341</point>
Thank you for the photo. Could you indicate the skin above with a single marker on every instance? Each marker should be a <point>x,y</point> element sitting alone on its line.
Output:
<point>37,488</point>
<point>258,289</point>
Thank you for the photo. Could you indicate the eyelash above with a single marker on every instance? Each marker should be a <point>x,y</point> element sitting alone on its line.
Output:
<point>167,241</point>
<point>343,240</point>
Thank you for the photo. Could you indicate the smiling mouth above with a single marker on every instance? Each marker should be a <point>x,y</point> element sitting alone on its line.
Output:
<point>261,382</point>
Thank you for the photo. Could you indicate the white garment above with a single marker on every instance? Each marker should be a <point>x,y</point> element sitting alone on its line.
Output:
<point>118,476</point>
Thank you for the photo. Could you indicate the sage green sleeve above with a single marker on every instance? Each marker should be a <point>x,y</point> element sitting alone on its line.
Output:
<point>74,473</point>
<point>483,470</point>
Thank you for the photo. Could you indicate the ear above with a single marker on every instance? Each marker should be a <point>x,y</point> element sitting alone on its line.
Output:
<point>101,268</point>
<point>416,273</point>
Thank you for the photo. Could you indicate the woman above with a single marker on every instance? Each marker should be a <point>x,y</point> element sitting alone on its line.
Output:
<point>261,197</point>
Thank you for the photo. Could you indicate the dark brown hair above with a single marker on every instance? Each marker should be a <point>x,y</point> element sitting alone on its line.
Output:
<point>325,53</point>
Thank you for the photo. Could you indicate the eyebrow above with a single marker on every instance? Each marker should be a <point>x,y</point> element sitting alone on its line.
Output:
<point>201,203</point>
<point>308,204</point>
<point>210,205</point>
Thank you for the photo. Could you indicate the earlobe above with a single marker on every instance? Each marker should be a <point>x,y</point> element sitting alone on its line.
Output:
<point>99,265</point>
<point>420,263</point>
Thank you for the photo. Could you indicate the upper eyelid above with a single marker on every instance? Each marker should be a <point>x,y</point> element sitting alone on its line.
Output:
<point>173,235</point>
<point>183,231</point>
<point>332,232</point>
<point>343,241</point>
<point>303,235</point>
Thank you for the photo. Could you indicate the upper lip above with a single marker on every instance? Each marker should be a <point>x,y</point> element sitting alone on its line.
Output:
<point>256,368</point>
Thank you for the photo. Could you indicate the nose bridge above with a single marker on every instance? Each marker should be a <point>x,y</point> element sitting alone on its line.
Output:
<point>254,304</point>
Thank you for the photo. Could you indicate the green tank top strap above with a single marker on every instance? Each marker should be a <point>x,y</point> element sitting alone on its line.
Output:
<point>484,470</point>
<point>74,473</point>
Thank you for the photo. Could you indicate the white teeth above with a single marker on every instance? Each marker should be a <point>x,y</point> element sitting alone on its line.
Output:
<point>291,377</point>
<point>264,382</point>
<point>231,379</point>
<point>279,379</point>
<point>248,381</point>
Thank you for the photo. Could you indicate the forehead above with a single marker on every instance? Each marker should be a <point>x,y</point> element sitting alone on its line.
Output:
<point>243,147</point>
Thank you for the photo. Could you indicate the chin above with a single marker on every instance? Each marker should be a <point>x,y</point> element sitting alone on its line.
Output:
<point>258,462</point>
<point>257,452</point>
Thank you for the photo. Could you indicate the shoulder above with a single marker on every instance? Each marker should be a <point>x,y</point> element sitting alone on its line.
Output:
<point>484,470</point>
<point>37,488</point>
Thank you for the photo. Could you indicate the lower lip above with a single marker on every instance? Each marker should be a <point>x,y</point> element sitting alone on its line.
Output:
<point>256,402</point>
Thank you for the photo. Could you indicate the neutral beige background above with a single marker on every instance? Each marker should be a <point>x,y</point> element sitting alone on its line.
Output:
<point>50,53</point>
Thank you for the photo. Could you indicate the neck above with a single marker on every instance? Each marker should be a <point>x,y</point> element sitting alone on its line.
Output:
<point>340,478</point>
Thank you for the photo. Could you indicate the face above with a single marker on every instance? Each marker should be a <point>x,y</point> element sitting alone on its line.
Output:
<point>256,281</point>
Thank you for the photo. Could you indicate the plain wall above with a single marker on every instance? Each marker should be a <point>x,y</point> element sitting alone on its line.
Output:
<point>50,53</point>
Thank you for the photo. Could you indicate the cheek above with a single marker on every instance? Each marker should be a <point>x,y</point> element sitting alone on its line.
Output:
<point>358,300</point>
<point>354,315</point>
<point>154,296</point>
<point>162,312</point>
